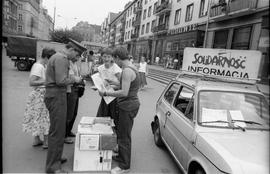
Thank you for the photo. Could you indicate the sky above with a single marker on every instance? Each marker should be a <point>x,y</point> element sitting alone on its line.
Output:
<point>70,12</point>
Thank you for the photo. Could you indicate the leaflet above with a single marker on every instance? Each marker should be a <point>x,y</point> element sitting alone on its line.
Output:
<point>211,115</point>
<point>102,86</point>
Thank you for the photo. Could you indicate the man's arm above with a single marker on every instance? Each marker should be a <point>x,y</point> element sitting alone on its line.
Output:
<point>61,73</point>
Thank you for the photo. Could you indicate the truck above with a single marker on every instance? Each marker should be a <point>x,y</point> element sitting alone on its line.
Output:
<point>24,51</point>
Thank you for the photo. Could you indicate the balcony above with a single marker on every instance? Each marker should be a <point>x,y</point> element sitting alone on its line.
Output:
<point>136,23</point>
<point>233,8</point>
<point>165,7</point>
<point>160,28</point>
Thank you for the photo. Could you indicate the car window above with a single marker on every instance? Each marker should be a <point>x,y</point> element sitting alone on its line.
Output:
<point>233,109</point>
<point>184,102</point>
<point>171,92</point>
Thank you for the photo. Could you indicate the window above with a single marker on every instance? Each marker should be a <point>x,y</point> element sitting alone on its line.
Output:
<point>153,24</point>
<point>178,0</point>
<point>20,6</point>
<point>177,17</point>
<point>142,30</point>
<point>241,38</point>
<point>19,28</point>
<point>189,12</point>
<point>147,27</point>
<point>128,34</point>
<point>171,92</point>
<point>184,102</point>
<point>220,39</point>
<point>20,17</point>
<point>203,9</point>
<point>129,22</point>
<point>155,7</point>
<point>149,11</point>
<point>144,14</point>
<point>145,2</point>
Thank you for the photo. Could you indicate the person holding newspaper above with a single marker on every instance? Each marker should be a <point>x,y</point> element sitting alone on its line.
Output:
<point>128,107</point>
<point>110,72</point>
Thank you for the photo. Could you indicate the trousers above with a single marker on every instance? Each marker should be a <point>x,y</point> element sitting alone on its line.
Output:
<point>72,109</point>
<point>125,124</point>
<point>56,102</point>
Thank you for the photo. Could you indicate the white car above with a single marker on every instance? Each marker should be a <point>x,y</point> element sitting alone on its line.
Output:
<point>213,126</point>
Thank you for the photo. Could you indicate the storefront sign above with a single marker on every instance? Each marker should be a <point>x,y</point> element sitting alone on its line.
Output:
<point>235,64</point>
<point>187,28</point>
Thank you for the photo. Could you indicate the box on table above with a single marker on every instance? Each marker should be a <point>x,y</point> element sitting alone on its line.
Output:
<point>94,142</point>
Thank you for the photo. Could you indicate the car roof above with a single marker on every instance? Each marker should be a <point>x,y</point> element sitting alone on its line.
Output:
<point>210,83</point>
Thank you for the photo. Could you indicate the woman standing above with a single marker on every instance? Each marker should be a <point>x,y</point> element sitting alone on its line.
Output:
<point>36,117</point>
<point>128,107</point>
<point>110,72</point>
<point>143,70</point>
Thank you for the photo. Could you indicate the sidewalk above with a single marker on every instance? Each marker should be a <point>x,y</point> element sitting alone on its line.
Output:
<point>262,87</point>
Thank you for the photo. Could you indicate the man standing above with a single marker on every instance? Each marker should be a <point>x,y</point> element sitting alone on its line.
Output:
<point>57,79</point>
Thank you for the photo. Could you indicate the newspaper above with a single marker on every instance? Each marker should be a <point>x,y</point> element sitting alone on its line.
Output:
<point>101,86</point>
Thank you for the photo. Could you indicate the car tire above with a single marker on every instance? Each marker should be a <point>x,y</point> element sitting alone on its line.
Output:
<point>157,135</point>
<point>22,65</point>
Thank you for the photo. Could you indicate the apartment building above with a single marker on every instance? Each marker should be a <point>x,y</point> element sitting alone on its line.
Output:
<point>45,26</point>
<point>9,17</point>
<point>145,33</point>
<point>242,25</point>
<point>105,28</point>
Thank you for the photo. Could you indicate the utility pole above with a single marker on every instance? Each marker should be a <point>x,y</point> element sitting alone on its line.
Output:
<point>207,23</point>
<point>54,15</point>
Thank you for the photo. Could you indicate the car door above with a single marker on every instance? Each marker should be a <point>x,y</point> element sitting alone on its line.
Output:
<point>182,125</point>
<point>165,107</point>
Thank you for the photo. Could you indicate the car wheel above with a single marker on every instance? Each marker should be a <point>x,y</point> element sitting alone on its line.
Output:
<point>199,171</point>
<point>157,136</point>
<point>22,65</point>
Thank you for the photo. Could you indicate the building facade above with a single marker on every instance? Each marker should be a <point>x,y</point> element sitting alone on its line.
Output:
<point>45,26</point>
<point>105,27</point>
<point>9,16</point>
<point>89,32</point>
<point>241,25</point>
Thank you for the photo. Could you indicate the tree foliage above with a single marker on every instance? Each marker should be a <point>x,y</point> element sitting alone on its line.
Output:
<point>62,35</point>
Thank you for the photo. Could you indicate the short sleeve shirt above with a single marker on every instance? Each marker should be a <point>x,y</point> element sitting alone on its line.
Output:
<point>109,73</point>
<point>38,70</point>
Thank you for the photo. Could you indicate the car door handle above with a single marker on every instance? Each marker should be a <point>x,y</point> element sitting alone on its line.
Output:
<point>168,113</point>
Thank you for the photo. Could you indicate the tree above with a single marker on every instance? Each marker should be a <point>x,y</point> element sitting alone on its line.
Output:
<point>63,35</point>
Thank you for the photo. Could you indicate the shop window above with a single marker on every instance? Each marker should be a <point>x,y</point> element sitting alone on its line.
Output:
<point>203,9</point>
<point>241,38</point>
<point>189,12</point>
<point>220,40</point>
<point>142,31</point>
<point>149,11</point>
<point>177,17</point>
<point>144,14</point>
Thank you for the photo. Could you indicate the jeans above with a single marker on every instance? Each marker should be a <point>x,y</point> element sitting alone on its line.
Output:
<point>125,124</point>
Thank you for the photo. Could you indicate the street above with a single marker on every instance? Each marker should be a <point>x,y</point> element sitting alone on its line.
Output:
<point>20,156</point>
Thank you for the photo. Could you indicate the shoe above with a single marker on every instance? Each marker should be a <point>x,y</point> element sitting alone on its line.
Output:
<point>116,158</point>
<point>63,160</point>
<point>71,135</point>
<point>56,171</point>
<point>118,170</point>
<point>35,144</point>
<point>45,146</point>
<point>68,141</point>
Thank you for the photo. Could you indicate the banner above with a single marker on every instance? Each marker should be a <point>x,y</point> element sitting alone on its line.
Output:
<point>235,64</point>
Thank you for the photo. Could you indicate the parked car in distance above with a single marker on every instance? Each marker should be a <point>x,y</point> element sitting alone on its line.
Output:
<point>213,126</point>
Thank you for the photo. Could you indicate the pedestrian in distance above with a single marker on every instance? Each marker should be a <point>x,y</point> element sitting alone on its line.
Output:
<point>36,117</point>
<point>128,107</point>
<point>143,71</point>
<point>72,99</point>
<point>110,72</point>
<point>57,79</point>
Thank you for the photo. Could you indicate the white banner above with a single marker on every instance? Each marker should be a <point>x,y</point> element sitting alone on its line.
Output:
<point>237,64</point>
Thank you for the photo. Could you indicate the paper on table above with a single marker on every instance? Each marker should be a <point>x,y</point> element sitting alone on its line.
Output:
<point>99,83</point>
<point>209,115</point>
<point>237,115</point>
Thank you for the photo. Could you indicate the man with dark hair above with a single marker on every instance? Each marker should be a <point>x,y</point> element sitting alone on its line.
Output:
<point>57,79</point>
